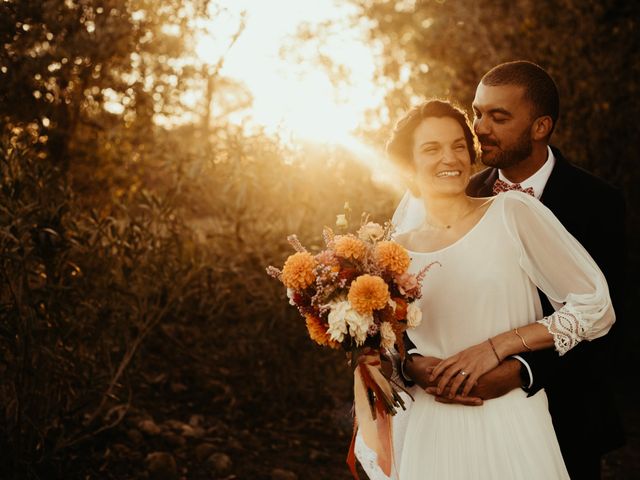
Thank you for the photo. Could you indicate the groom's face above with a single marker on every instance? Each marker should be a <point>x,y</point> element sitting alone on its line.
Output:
<point>502,122</point>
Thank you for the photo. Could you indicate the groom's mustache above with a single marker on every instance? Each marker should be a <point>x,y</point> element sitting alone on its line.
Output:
<point>485,140</point>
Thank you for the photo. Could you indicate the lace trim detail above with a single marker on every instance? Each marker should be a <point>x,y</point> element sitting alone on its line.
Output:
<point>369,460</point>
<point>566,327</point>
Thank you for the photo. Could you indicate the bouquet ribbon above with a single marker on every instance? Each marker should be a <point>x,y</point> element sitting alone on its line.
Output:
<point>374,406</point>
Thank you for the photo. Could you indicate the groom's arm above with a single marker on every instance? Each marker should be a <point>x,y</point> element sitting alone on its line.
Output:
<point>509,375</point>
<point>513,373</point>
<point>495,383</point>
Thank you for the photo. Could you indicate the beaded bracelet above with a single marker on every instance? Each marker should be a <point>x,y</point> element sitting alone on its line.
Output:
<point>493,347</point>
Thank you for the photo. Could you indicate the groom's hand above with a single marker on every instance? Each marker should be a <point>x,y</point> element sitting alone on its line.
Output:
<point>419,368</point>
<point>493,384</point>
<point>499,381</point>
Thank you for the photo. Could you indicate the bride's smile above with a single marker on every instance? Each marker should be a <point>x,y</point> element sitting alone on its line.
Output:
<point>449,173</point>
<point>441,157</point>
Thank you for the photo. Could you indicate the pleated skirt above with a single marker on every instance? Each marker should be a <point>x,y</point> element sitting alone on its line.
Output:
<point>510,437</point>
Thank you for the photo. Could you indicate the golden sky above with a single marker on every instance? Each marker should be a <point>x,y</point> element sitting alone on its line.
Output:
<point>290,97</point>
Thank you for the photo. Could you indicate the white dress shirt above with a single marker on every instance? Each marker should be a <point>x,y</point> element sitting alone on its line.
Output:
<point>538,180</point>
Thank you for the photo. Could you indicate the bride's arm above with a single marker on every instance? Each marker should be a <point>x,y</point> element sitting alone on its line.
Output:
<point>559,266</point>
<point>495,383</point>
<point>470,364</point>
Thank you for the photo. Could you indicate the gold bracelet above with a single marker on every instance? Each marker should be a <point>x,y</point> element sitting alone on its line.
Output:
<point>522,340</point>
<point>493,347</point>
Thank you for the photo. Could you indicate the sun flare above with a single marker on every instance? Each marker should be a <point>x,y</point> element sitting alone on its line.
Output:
<point>293,96</point>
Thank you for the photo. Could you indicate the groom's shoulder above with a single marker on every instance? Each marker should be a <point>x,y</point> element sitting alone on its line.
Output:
<point>577,178</point>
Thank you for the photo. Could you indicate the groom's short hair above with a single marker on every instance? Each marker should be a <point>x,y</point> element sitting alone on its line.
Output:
<point>400,144</point>
<point>539,87</point>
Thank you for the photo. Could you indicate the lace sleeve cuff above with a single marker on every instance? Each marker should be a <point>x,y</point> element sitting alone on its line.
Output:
<point>567,328</point>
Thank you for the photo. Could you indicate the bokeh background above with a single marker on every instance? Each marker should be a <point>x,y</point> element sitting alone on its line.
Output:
<point>154,155</point>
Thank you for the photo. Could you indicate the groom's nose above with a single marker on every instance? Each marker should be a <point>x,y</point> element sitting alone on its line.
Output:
<point>481,126</point>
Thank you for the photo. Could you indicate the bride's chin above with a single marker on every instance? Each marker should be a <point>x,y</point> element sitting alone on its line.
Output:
<point>449,187</point>
<point>444,193</point>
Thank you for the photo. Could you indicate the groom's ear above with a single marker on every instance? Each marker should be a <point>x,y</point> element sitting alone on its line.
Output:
<point>541,128</point>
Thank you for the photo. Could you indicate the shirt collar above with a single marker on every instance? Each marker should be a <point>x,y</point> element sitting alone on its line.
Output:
<point>538,180</point>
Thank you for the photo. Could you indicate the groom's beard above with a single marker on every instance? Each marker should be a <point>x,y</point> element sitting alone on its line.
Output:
<point>507,158</point>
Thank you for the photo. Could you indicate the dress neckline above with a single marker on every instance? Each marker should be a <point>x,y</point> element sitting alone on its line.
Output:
<point>463,237</point>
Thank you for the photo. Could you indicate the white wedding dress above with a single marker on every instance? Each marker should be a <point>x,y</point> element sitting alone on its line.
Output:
<point>486,283</point>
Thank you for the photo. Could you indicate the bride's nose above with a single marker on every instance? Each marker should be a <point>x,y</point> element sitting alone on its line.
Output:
<point>448,155</point>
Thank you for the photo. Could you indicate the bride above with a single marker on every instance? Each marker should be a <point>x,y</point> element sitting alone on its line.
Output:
<point>480,305</point>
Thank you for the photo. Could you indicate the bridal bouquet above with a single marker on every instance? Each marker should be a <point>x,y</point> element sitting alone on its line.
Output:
<point>357,294</point>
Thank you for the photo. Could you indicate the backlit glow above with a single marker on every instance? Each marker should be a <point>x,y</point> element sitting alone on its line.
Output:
<point>289,96</point>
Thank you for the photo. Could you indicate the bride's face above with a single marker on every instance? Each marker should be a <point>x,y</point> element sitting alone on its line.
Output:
<point>441,156</point>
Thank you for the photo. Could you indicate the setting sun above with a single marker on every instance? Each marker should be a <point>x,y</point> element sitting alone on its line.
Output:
<point>292,93</point>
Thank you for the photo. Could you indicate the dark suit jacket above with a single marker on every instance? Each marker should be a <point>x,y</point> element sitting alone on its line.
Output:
<point>580,398</point>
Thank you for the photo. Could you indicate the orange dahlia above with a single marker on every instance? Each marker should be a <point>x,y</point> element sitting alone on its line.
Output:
<point>392,257</point>
<point>349,247</point>
<point>368,293</point>
<point>318,332</point>
<point>297,272</point>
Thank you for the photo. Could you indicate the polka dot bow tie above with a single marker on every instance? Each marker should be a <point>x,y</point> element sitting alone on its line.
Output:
<point>501,186</point>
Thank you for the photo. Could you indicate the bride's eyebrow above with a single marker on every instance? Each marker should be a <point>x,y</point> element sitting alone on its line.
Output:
<point>431,142</point>
<point>435,142</point>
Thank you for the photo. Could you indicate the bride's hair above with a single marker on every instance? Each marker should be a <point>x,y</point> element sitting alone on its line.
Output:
<point>400,144</point>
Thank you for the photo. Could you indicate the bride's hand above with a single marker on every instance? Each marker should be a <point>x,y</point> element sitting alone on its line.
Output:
<point>466,366</point>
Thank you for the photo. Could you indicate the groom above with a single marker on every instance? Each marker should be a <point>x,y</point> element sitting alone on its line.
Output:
<point>516,107</point>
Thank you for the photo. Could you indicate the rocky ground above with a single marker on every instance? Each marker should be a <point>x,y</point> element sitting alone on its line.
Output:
<point>188,419</point>
<point>202,447</point>
<point>182,439</point>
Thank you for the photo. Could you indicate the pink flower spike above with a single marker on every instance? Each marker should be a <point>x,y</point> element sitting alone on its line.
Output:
<point>328,235</point>
<point>423,272</point>
<point>274,272</point>
<point>295,243</point>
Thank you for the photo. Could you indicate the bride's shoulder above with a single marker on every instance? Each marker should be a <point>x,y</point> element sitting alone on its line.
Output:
<point>521,209</point>
<point>515,197</point>
<point>516,201</point>
<point>404,238</point>
<point>482,203</point>
<point>412,240</point>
